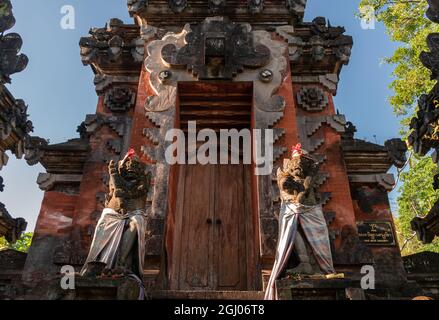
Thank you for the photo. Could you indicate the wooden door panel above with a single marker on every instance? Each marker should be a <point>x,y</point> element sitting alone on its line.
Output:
<point>197,233</point>
<point>229,245</point>
<point>213,256</point>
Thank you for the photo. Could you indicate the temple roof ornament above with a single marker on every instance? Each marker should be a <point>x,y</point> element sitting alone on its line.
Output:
<point>217,6</point>
<point>116,43</point>
<point>14,124</point>
<point>256,12</point>
<point>115,53</point>
<point>217,39</point>
<point>425,126</point>
<point>256,6</point>
<point>177,5</point>
<point>10,44</point>
<point>317,51</point>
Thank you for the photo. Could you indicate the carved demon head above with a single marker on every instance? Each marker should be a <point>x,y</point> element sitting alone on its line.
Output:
<point>132,169</point>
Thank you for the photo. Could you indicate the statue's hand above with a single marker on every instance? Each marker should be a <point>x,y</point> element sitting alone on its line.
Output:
<point>112,170</point>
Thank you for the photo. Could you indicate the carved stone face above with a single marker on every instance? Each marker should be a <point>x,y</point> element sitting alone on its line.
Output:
<point>301,167</point>
<point>132,169</point>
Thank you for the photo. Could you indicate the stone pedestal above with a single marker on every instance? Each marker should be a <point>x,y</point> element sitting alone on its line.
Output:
<point>105,289</point>
<point>319,289</point>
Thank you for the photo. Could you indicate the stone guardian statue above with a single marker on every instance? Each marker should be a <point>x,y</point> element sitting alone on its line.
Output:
<point>301,219</point>
<point>119,239</point>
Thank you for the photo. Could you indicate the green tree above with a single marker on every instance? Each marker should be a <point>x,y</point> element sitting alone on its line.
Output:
<point>406,24</point>
<point>22,244</point>
<point>417,196</point>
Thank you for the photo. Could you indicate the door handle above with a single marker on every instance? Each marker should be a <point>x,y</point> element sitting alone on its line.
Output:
<point>219,221</point>
<point>209,221</point>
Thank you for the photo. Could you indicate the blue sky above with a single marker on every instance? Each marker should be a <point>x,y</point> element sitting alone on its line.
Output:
<point>59,89</point>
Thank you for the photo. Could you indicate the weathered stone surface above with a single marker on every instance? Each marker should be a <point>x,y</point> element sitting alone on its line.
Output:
<point>14,124</point>
<point>176,13</point>
<point>217,49</point>
<point>423,268</point>
<point>312,99</point>
<point>11,267</point>
<point>316,289</point>
<point>89,288</point>
<point>10,45</point>
<point>120,99</point>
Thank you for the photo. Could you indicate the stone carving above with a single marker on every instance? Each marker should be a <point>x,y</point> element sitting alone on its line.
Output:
<point>312,99</point>
<point>177,5</point>
<point>129,185</point>
<point>119,241</point>
<point>14,124</point>
<point>427,228</point>
<point>424,136</point>
<point>425,125</point>
<point>431,59</point>
<point>135,6</point>
<point>47,181</point>
<point>7,19</point>
<point>104,82</point>
<point>433,11</point>
<point>216,6</point>
<point>120,99</point>
<point>326,31</point>
<point>296,6</point>
<point>297,180</point>
<point>328,81</point>
<point>397,152</point>
<point>300,206</point>
<point>317,42</point>
<point>34,149</point>
<point>93,122</point>
<point>160,111</point>
<point>10,228</point>
<point>10,45</point>
<point>115,52</point>
<point>255,6</point>
<point>217,49</point>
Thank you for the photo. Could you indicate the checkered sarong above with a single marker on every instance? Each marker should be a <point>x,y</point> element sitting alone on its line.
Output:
<point>315,230</point>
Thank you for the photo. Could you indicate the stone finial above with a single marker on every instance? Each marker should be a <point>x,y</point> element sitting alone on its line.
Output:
<point>177,5</point>
<point>135,6</point>
<point>296,8</point>
<point>10,44</point>
<point>217,6</point>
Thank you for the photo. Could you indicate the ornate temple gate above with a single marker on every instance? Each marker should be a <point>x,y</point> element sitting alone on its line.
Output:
<point>214,225</point>
<point>241,93</point>
<point>205,235</point>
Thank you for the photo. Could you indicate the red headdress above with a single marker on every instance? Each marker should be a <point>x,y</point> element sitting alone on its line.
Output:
<point>296,151</point>
<point>131,153</point>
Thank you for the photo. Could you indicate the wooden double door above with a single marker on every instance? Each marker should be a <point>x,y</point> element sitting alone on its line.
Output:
<point>213,228</point>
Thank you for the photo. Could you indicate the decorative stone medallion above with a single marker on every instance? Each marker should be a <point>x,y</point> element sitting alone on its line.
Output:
<point>312,99</point>
<point>120,99</point>
<point>217,49</point>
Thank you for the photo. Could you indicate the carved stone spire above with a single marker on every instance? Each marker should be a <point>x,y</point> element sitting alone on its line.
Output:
<point>14,124</point>
<point>10,44</point>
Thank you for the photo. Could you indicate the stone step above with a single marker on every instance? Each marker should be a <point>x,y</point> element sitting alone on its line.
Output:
<point>207,295</point>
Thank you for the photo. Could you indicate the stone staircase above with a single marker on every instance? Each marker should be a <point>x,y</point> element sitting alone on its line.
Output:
<point>207,295</point>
